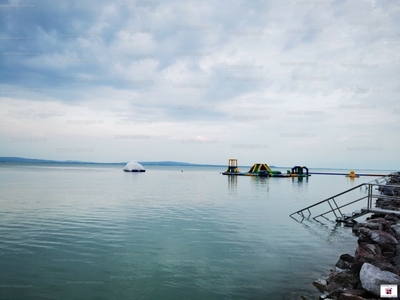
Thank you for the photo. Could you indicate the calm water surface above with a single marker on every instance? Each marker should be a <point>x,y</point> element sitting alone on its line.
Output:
<point>95,232</point>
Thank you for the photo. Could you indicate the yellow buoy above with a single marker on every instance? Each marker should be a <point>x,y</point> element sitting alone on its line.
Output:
<point>352,174</point>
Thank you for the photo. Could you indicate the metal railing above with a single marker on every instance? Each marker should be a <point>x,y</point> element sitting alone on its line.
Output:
<point>337,209</point>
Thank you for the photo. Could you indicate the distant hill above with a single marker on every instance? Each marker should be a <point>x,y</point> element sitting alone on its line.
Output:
<point>147,163</point>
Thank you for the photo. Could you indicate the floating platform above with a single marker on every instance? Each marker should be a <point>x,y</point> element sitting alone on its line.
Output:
<point>352,174</point>
<point>263,170</point>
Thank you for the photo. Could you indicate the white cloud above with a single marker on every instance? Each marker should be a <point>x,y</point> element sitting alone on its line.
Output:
<point>274,81</point>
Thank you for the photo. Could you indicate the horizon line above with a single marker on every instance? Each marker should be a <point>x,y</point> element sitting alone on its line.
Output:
<point>39,160</point>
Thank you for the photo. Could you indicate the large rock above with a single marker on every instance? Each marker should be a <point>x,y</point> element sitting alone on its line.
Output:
<point>388,248</point>
<point>387,191</point>
<point>356,294</point>
<point>376,220</point>
<point>378,236</point>
<point>366,253</point>
<point>346,296</point>
<point>344,279</point>
<point>345,261</point>
<point>373,225</point>
<point>396,229</point>
<point>387,204</point>
<point>372,277</point>
<point>321,284</point>
<point>391,217</point>
<point>384,265</point>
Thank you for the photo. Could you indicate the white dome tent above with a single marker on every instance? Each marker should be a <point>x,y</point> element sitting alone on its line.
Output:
<point>134,166</point>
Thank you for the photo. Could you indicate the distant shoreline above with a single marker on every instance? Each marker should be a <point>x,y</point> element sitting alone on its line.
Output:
<point>147,163</point>
<point>74,162</point>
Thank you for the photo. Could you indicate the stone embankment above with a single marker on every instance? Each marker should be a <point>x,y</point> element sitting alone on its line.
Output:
<point>376,260</point>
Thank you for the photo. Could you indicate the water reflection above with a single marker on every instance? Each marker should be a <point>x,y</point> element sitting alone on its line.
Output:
<point>331,231</point>
<point>232,184</point>
<point>351,180</point>
<point>299,180</point>
<point>260,181</point>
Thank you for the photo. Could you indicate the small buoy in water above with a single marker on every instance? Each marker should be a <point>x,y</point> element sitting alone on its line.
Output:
<point>181,170</point>
<point>352,175</point>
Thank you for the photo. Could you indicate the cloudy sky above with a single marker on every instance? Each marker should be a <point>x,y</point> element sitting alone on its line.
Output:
<point>282,82</point>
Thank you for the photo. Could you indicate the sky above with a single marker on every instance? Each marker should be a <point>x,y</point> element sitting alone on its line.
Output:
<point>281,82</point>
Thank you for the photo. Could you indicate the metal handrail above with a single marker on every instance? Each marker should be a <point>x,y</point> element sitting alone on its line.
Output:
<point>318,203</point>
<point>362,198</point>
<point>333,210</point>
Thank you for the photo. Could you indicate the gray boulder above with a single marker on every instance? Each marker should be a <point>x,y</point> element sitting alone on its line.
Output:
<point>373,225</point>
<point>387,190</point>
<point>391,217</point>
<point>341,280</point>
<point>347,296</point>
<point>378,236</point>
<point>321,284</point>
<point>367,253</point>
<point>372,277</point>
<point>345,261</point>
<point>396,229</point>
<point>384,265</point>
<point>357,294</point>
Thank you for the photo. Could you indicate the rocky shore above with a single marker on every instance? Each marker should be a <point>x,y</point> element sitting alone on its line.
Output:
<point>376,260</point>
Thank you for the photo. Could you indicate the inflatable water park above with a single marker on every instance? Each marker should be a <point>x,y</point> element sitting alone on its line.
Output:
<point>263,170</point>
<point>133,166</point>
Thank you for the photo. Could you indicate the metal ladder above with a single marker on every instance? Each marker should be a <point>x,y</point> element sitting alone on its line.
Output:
<point>337,210</point>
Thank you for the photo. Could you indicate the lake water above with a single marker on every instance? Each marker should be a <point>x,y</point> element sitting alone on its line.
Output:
<point>96,232</point>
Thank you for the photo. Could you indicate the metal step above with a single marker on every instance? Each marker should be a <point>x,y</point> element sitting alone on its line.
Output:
<point>354,215</point>
<point>384,211</point>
